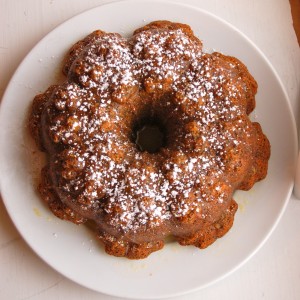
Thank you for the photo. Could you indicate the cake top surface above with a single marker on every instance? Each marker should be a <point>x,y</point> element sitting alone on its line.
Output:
<point>199,97</point>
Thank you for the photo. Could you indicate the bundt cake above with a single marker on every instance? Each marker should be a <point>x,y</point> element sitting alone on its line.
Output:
<point>93,128</point>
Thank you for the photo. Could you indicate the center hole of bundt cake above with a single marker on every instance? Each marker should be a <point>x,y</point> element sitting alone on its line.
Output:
<point>149,136</point>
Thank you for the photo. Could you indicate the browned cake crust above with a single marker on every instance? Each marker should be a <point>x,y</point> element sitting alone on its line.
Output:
<point>135,199</point>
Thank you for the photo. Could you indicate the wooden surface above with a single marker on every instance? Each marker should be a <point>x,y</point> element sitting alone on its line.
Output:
<point>274,272</point>
<point>295,9</point>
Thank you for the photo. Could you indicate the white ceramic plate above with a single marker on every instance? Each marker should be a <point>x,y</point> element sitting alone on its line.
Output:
<point>73,250</point>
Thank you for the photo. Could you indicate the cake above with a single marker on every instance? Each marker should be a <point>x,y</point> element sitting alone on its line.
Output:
<point>196,105</point>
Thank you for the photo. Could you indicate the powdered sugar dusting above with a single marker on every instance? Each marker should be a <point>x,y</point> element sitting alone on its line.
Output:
<point>99,170</point>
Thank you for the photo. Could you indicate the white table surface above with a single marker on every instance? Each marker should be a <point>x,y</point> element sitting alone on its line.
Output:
<point>274,272</point>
